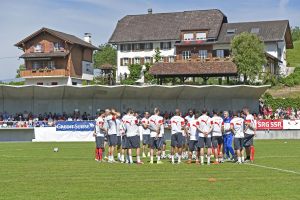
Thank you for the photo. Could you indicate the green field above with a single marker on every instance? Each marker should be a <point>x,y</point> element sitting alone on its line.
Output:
<point>33,171</point>
<point>293,55</point>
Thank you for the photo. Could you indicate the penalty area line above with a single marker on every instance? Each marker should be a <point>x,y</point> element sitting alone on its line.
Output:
<point>274,168</point>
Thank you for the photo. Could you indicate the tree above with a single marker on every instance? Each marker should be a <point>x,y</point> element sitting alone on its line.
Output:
<point>157,56</point>
<point>249,55</point>
<point>296,33</point>
<point>21,68</point>
<point>106,54</point>
<point>135,72</point>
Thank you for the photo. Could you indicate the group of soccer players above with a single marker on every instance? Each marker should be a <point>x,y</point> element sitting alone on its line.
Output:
<point>192,135</point>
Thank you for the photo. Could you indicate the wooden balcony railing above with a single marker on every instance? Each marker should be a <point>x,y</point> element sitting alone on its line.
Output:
<point>44,72</point>
<point>196,58</point>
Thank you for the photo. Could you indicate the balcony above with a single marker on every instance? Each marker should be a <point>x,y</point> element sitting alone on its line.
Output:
<point>195,58</point>
<point>43,72</point>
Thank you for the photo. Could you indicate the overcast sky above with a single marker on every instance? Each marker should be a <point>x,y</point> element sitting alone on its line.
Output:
<point>19,18</point>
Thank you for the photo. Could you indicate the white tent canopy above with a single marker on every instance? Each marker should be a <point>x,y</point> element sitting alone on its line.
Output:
<point>40,99</point>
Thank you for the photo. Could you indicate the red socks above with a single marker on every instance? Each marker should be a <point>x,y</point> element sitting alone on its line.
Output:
<point>98,153</point>
<point>252,152</point>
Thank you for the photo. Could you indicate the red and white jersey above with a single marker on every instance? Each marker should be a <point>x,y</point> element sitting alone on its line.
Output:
<point>111,125</point>
<point>145,131</point>
<point>193,129</point>
<point>156,122</point>
<point>119,126</point>
<point>189,118</point>
<point>217,123</point>
<point>177,124</point>
<point>204,125</point>
<point>250,120</point>
<point>130,124</point>
<point>238,127</point>
<point>99,125</point>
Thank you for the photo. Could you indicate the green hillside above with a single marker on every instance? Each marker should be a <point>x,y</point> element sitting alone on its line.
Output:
<point>293,55</point>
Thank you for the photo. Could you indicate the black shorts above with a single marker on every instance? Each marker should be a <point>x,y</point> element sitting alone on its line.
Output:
<point>156,143</point>
<point>204,142</point>
<point>216,140</point>
<point>193,145</point>
<point>124,142</point>
<point>133,142</point>
<point>248,140</point>
<point>100,142</point>
<point>119,140</point>
<point>177,140</point>
<point>112,140</point>
<point>238,143</point>
<point>146,139</point>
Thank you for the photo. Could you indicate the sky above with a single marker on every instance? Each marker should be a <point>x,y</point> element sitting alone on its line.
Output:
<point>20,18</point>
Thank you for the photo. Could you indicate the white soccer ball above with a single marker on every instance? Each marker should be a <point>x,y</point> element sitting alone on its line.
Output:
<point>55,149</point>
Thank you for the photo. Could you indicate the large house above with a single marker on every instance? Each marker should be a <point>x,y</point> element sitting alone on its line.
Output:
<point>56,58</point>
<point>194,43</point>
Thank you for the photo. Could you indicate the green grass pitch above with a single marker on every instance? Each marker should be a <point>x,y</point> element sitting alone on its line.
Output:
<point>33,171</point>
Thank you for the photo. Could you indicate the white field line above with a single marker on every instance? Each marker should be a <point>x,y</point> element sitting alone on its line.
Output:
<point>274,168</point>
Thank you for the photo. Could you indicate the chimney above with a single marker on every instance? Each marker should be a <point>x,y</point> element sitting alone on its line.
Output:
<point>150,11</point>
<point>87,37</point>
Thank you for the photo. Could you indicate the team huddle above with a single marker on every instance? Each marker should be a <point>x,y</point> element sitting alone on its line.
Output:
<point>191,136</point>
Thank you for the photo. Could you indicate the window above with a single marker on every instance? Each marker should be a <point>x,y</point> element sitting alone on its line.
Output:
<point>137,60</point>
<point>186,55</point>
<point>54,83</point>
<point>147,59</point>
<point>171,59</point>
<point>188,36</point>
<point>220,53</point>
<point>255,30</point>
<point>35,65</point>
<point>203,54</point>
<point>165,45</point>
<point>125,61</point>
<point>279,52</point>
<point>57,46</point>
<point>51,64</point>
<point>40,83</point>
<point>148,46</point>
<point>38,48</point>
<point>125,47</point>
<point>230,31</point>
<point>201,36</point>
<point>136,47</point>
<point>74,83</point>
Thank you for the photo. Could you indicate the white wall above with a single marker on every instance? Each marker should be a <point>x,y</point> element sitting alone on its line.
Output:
<point>49,80</point>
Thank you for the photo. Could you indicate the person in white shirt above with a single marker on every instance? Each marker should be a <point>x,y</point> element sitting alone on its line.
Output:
<point>177,138</point>
<point>99,134</point>
<point>205,129</point>
<point>156,126</point>
<point>217,138</point>
<point>185,149</point>
<point>193,132</point>
<point>119,129</point>
<point>111,126</point>
<point>250,132</point>
<point>145,132</point>
<point>132,135</point>
<point>237,128</point>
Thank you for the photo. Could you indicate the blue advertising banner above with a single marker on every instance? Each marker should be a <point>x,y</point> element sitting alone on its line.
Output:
<point>75,126</point>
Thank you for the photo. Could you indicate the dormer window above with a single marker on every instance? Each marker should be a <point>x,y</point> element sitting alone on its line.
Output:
<point>201,36</point>
<point>255,30</point>
<point>57,46</point>
<point>230,31</point>
<point>188,36</point>
<point>38,48</point>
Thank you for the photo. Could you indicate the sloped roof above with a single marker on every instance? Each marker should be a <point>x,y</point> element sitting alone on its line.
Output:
<point>43,55</point>
<point>268,31</point>
<point>194,68</point>
<point>166,26</point>
<point>64,36</point>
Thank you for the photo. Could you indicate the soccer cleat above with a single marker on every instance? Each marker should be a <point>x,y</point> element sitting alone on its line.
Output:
<point>197,162</point>
<point>159,162</point>
<point>151,162</point>
<point>189,162</point>
<point>140,163</point>
<point>238,162</point>
<point>202,163</point>
<point>178,163</point>
<point>216,163</point>
<point>148,155</point>
<point>208,163</point>
<point>144,155</point>
<point>173,163</point>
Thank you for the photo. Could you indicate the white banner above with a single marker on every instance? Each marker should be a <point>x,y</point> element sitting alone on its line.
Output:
<point>291,124</point>
<point>49,134</point>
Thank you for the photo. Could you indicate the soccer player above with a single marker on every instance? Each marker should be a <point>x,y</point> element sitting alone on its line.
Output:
<point>190,117</point>
<point>250,132</point>
<point>145,131</point>
<point>156,126</point>
<point>119,135</point>
<point>99,134</point>
<point>228,137</point>
<point>237,127</point>
<point>205,129</point>
<point>111,126</point>
<point>132,136</point>
<point>177,129</point>
<point>217,139</point>
<point>193,132</point>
